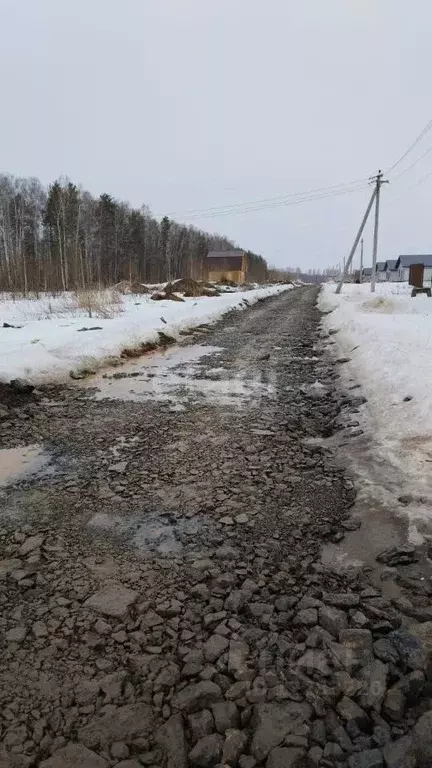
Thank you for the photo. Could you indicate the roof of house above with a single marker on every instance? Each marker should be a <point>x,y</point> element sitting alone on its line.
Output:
<point>391,265</point>
<point>224,254</point>
<point>367,270</point>
<point>380,266</point>
<point>417,258</point>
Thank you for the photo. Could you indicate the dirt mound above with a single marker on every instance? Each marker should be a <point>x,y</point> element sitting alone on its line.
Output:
<point>127,287</point>
<point>209,289</point>
<point>163,296</point>
<point>225,281</point>
<point>190,288</point>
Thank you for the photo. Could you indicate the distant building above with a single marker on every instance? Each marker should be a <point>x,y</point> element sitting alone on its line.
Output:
<point>226,265</point>
<point>366,274</point>
<point>404,262</point>
<point>392,274</point>
<point>381,271</point>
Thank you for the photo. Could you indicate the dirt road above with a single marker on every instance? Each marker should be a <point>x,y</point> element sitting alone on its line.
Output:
<point>163,597</point>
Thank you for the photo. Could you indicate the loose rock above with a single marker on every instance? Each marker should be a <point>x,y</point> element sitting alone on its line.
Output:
<point>112,600</point>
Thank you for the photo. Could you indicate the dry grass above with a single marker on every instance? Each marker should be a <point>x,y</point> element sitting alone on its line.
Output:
<point>98,303</point>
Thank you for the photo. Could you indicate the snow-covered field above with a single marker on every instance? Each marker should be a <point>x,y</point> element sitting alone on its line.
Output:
<point>49,346</point>
<point>388,338</point>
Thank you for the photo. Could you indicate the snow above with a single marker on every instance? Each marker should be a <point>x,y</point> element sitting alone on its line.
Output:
<point>49,346</point>
<point>388,338</point>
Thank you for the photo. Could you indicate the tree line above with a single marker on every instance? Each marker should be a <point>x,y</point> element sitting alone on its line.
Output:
<point>276,274</point>
<point>64,238</point>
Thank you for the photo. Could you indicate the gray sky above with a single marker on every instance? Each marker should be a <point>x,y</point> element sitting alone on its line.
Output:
<point>190,104</point>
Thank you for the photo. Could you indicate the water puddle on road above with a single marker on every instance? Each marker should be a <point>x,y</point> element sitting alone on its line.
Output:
<point>162,533</point>
<point>19,463</point>
<point>177,376</point>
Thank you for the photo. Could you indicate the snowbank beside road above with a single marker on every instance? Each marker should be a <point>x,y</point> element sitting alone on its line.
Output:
<point>388,338</point>
<point>49,344</point>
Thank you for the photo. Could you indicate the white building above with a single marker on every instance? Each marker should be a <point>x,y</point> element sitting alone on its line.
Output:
<point>392,274</point>
<point>381,271</point>
<point>404,263</point>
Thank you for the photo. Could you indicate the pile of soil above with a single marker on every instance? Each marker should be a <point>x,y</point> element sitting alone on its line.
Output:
<point>187,287</point>
<point>190,287</point>
<point>127,287</point>
<point>163,296</point>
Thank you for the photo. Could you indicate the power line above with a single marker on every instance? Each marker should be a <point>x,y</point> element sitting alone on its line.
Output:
<point>425,130</point>
<point>264,206</point>
<point>424,178</point>
<point>270,207</point>
<point>295,198</point>
<point>413,164</point>
<point>266,200</point>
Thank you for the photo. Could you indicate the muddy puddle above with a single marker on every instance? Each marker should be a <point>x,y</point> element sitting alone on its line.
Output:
<point>384,520</point>
<point>163,533</point>
<point>177,376</point>
<point>379,530</point>
<point>18,464</point>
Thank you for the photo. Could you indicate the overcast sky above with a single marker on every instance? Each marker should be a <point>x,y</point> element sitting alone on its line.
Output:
<point>190,104</point>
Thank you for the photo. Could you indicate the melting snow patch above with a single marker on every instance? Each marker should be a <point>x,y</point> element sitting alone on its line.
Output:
<point>388,337</point>
<point>48,345</point>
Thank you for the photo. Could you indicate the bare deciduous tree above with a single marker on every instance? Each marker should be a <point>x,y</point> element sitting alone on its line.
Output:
<point>62,238</point>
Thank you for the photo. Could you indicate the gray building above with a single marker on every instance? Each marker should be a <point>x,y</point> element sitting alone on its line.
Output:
<point>405,261</point>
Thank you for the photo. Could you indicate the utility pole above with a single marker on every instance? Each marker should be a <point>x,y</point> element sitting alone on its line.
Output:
<point>356,241</point>
<point>378,181</point>
<point>361,260</point>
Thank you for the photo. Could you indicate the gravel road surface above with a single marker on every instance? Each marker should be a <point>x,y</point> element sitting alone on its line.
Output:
<point>163,597</point>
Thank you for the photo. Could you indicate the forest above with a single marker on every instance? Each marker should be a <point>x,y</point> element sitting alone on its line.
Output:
<point>62,238</point>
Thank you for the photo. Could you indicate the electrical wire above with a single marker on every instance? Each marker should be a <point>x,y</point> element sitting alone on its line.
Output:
<point>264,206</point>
<point>274,205</point>
<point>424,178</point>
<point>423,133</point>
<point>295,198</point>
<point>413,164</point>
<point>266,200</point>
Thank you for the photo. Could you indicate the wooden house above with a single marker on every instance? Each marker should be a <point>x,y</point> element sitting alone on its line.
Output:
<point>220,266</point>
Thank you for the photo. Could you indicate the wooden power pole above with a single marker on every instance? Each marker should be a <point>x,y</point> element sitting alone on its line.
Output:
<point>361,260</point>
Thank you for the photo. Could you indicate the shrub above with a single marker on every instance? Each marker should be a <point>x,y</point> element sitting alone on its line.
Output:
<point>99,303</point>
